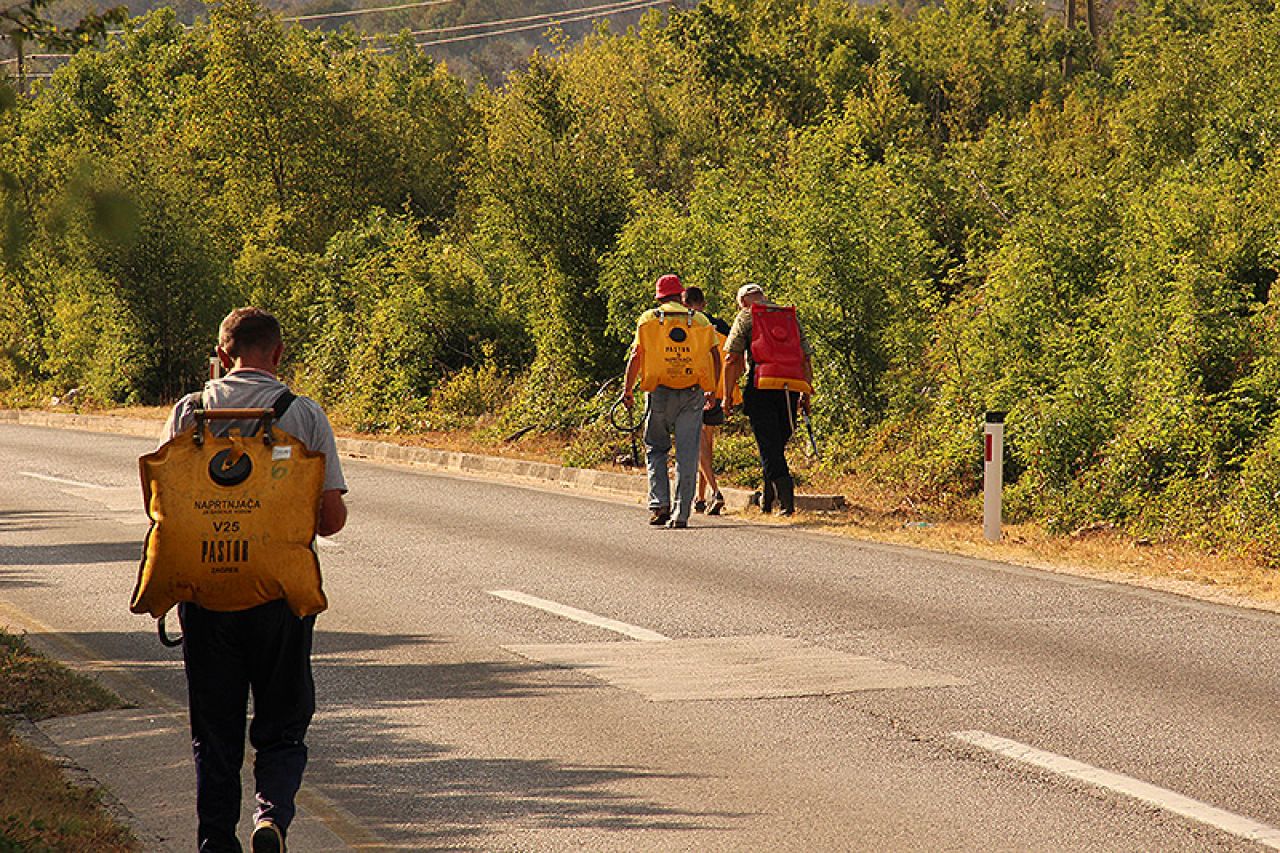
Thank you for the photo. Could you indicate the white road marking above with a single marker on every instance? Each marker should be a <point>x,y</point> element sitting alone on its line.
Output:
<point>1163,798</point>
<point>632,631</point>
<point>62,481</point>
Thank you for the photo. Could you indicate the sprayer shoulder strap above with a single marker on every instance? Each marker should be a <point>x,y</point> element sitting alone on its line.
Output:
<point>278,408</point>
<point>282,403</point>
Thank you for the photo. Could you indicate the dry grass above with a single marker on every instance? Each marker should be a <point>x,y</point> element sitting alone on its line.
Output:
<point>1098,551</point>
<point>37,688</point>
<point>535,447</point>
<point>157,413</point>
<point>39,809</point>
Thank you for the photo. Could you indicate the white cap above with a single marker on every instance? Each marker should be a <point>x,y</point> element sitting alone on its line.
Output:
<point>749,288</point>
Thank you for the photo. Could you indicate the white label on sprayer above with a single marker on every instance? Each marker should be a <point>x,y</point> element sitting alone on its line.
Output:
<point>279,452</point>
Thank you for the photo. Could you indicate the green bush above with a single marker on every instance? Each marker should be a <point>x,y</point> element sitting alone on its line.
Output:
<point>962,225</point>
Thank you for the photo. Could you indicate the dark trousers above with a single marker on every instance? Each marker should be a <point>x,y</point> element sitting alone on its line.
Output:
<point>772,414</point>
<point>266,650</point>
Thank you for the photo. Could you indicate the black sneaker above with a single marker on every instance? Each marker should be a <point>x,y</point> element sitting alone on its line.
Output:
<point>266,838</point>
<point>677,524</point>
<point>660,517</point>
<point>699,506</point>
<point>717,504</point>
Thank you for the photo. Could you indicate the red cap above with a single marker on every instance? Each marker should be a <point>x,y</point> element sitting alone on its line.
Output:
<point>668,285</point>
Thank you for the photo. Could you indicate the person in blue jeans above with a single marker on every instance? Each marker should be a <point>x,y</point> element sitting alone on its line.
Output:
<point>264,650</point>
<point>673,409</point>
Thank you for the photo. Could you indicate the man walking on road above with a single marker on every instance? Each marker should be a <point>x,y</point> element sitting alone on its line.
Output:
<point>265,649</point>
<point>676,358</point>
<point>771,410</point>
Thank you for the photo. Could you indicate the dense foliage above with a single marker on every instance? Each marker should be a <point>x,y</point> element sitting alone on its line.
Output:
<point>963,226</point>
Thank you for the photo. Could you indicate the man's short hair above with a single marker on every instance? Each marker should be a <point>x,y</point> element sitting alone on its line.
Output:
<point>694,296</point>
<point>748,289</point>
<point>249,330</point>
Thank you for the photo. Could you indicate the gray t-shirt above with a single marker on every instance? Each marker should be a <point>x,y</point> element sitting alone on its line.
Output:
<point>254,389</point>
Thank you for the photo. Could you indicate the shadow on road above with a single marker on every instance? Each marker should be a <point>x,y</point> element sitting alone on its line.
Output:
<point>61,553</point>
<point>29,520</point>
<point>393,685</point>
<point>71,554</point>
<point>420,796</point>
<point>15,578</point>
<point>371,751</point>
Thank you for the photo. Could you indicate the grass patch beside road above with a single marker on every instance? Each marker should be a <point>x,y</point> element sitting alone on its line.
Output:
<point>39,809</point>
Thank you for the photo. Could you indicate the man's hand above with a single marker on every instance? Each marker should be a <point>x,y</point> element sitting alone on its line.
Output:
<point>709,400</point>
<point>333,512</point>
<point>628,398</point>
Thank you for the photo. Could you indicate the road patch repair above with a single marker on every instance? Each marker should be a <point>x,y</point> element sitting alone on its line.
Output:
<point>761,667</point>
<point>756,667</point>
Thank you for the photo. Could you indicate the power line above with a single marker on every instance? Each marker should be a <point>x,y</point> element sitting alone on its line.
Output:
<point>481,24</point>
<point>548,19</point>
<point>642,4</point>
<point>35,56</point>
<point>368,11</point>
<point>347,13</point>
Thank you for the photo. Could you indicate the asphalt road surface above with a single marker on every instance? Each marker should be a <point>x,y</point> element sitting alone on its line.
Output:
<point>513,668</point>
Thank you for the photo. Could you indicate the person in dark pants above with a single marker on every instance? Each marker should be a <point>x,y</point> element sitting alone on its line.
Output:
<point>265,650</point>
<point>772,412</point>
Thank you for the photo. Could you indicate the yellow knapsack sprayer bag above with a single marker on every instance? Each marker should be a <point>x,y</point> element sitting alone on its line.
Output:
<point>677,353</point>
<point>233,519</point>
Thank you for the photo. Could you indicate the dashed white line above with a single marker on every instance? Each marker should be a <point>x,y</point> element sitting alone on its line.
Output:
<point>587,618</point>
<point>62,481</point>
<point>1163,798</point>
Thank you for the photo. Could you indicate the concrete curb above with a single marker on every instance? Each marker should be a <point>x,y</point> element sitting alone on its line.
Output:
<point>586,479</point>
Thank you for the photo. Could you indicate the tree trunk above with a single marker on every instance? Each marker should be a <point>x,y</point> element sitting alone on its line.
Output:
<point>1070,8</point>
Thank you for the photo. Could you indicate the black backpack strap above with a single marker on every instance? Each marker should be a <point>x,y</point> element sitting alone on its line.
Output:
<point>283,402</point>
<point>198,414</point>
<point>278,408</point>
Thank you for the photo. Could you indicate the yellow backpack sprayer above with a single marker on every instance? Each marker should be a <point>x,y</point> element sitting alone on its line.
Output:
<point>233,519</point>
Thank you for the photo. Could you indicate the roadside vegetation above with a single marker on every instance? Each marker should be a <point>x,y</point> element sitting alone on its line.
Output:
<point>39,810</point>
<point>973,207</point>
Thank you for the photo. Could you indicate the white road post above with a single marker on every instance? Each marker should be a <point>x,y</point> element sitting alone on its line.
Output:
<point>215,366</point>
<point>993,476</point>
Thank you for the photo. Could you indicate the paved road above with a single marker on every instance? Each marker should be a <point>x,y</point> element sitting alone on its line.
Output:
<point>767,689</point>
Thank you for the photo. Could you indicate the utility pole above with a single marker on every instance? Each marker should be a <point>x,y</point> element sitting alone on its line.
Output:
<point>1070,6</point>
<point>1091,23</point>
